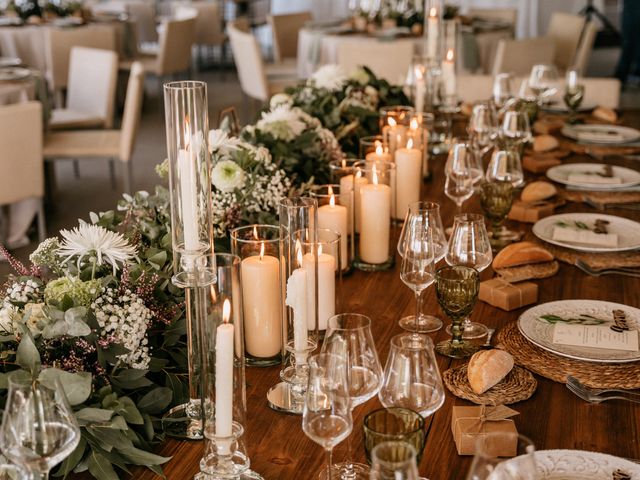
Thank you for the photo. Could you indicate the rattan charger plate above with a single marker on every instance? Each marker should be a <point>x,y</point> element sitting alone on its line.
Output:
<point>518,385</point>
<point>557,368</point>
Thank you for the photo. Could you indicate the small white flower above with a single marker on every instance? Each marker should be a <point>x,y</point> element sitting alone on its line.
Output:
<point>281,99</point>
<point>331,77</point>
<point>360,76</point>
<point>220,141</point>
<point>282,122</point>
<point>86,240</point>
<point>227,175</point>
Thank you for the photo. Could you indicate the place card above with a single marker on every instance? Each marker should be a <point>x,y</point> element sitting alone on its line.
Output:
<point>586,237</point>
<point>595,336</point>
<point>593,178</point>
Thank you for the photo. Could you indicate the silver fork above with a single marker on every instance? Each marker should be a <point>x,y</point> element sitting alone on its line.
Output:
<point>597,395</point>
<point>630,272</point>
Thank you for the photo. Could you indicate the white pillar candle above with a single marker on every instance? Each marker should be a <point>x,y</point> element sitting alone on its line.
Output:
<point>449,74</point>
<point>432,33</point>
<point>334,217</point>
<point>261,297</point>
<point>297,299</point>
<point>326,288</point>
<point>393,134</point>
<point>421,89</point>
<point>346,187</point>
<point>409,178</point>
<point>376,216</point>
<point>224,375</point>
<point>188,198</point>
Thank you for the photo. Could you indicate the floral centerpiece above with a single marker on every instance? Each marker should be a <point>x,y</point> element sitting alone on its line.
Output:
<point>346,105</point>
<point>97,309</point>
<point>298,142</point>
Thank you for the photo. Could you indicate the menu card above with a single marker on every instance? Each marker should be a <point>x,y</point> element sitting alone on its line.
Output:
<point>595,336</point>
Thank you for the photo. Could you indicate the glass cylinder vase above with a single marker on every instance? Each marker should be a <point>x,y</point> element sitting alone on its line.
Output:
<point>374,147</point>
<point>420,129</point>
<point>394,124</point>
<point>336,213</point>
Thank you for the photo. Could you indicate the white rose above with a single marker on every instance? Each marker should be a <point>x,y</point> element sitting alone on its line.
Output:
<point>360,76</point>
<point>227,175</point>
<point>280,99</point>
<point>36,317</point>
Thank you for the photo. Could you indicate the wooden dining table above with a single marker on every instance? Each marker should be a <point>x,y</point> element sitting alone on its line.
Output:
<point>553,418</point>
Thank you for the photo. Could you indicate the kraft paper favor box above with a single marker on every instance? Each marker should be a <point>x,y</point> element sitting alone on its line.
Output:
<point>468,424</point>
<point>530,212</point>
<point>508,296</point>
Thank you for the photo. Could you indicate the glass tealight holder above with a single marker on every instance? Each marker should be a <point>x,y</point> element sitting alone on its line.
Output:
<point>374,148</point>
<point>260,248</point>
<point>394,123</point>
<point>374,251</point>
<point>420,129</point>
<point>336,212</point>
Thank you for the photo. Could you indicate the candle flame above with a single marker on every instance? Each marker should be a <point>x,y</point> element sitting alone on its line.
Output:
<point>261,250</point>
<point>299,253</point>
<point>226,310</point>
<point>432,12</point>
<point>319,249</point>
<point>450,55</point>
<point>410,143</point>
<point>413,124</point>
<point>374,174</point>
<point>344,163</point>
<point>379,149</point>
<point>187,136</point>
<point>332,200</point>
<point>419,73</point>
<point>392,122</point>
<point>255,232</point>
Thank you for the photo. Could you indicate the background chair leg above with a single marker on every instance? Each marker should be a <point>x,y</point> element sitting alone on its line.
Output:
<point>42,224</point>
<point>127,174</point>
<point>112,174</point>
<point>76,168</point>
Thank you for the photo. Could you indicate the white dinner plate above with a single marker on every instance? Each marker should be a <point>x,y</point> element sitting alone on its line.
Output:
<point>540,331</point>
<point>580,465</point>
<point>618,133</point>
<point>10,62</point>
<point>627,230</point>
<point>561,107</point>
<point>560,174</point>
<point>11,74</point>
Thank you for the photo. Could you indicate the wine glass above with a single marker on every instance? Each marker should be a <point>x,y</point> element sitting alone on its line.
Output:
<point>505,166</point>
<point>326,415</point>
<point>349,336</point>
<point>496,198</point>
<point>394,461</point>
<point>573,94</point>
<point>38,429</point>
<point>483,125</point>
<point>13,472</point>
<point>458,185</point>
<point>543,81</point>
<point>515,129</point>
<point>417,270</point>
<point>457,291</point>
<point>490,464</point>
<point>502,89</point>
<point>469,246</point>
<point>411,376</point>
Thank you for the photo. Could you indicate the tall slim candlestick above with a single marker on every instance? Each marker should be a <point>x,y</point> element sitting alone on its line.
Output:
<point>433,31</point>
<point>449,74</point>
<point>224,373</point>
<point>297,299</point>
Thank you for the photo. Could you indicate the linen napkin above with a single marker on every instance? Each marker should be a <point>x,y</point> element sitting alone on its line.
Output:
<point>585,237</point>
<point>594,178</point>
<point>600,136</point>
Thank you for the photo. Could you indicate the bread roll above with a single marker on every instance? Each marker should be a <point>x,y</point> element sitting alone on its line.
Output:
<point>466,109</point>
<point>521,253</point>
<point>531,271</point>
<point>547,125</point>
<point>605,114</point>
<point>544,143</point>
<point>487,368</point>
<point>537,191</point>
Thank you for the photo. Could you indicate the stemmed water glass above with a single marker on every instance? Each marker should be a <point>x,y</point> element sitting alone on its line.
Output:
<point>457,290</point>
<point>489,464</point>
<point>38,429</point>
<point>469,246</point>
<point>326,415</point>
<point>543,81</point>
<point>460,177</point>
<point>502,89</point>
<point>482,129</point>
<point>496,198</point>
<point>505,166</point>
<point>515,129</point>
<point>573,94</point>
<point>425,215</point>
<point>349,337</point>
<point>394,460</point>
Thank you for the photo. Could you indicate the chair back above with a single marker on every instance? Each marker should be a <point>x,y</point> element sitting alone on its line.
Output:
<point>132,110</point>
<point>509,15</point>
<point>565,30</point>
<point>143,14</point>
<point>60,42</point>
<point>388,60</point>
<point>585,47</point>
<point>93,75</point>
<point>209,30</point>
<point>518,56</point>
<point>249,63</point>
<point>285,29</point>
<point>21,165</point>
<point>176,39</point>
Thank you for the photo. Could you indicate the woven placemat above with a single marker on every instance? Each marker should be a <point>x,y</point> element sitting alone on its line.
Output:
<point>518,385</point>
<point>557,368</point>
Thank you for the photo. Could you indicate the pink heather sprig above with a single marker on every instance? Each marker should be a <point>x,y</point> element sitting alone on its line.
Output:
<point>18,266</point>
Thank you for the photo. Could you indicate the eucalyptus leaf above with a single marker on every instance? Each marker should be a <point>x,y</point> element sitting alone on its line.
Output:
<point>55,330</point>
<point>94,415</point>
<point>156,400</point>
<point>100,467</point>
<point>27,355</point>
<point>72,460</point>
<point>76,386</point>
<point>140,457</point>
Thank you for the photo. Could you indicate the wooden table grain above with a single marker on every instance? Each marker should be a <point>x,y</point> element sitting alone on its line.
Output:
<point>553,417</point>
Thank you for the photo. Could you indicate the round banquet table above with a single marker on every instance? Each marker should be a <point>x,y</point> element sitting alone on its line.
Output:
<point>553,417</point>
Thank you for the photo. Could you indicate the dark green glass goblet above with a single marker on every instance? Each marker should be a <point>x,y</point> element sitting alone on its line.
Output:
<point>496,199</point>
<point>457,291</point>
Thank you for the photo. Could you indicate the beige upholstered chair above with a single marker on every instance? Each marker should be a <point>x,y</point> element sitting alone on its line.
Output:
<point>565,30</point>
<point>174,52</point>
<point>59,43</point>
<point>111,144</point>
<point>518,56</point>
<point>585,47</point>
<point>507,14</point>
<point>285,29</point>
<point>257,80</point>
<point>389,60</point>
<point>209,30</point>
<point>143,13</point>
<point>21,167</point>
<point>91,92</point>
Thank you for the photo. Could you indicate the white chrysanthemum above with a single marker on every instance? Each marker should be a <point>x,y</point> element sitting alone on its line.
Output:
<point>88,240</point>
<point>281,122</point>
<point>220,141</point>
<point>280,99</point>
<point>331,77</point>
<point>227,175</point>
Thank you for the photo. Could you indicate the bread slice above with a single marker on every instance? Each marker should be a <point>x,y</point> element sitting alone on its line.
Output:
<point>521,253</point>
<point>528,272</point>
<point>545,143</point>
<point>605,114</point>
<point>537,191</point>
<point>487,368</point>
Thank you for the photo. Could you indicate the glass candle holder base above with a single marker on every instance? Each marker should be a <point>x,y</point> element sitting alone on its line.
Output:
<point>263,362</point>
<point>471,331</point>
<point>347,470</point>
<point>248,475</point>
<point>462,349</point>
<point>374,267</point>
<point>184,421</point>
<point>503,238</point>
<point>224,457</point>
<point>425,324</point>
<point>283,397</point>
